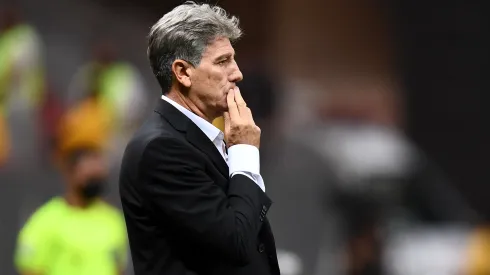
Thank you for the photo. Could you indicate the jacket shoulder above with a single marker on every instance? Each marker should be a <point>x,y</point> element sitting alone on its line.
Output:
<point>154,128</point>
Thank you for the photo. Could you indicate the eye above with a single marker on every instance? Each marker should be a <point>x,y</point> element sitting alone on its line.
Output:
<point>223,62</point>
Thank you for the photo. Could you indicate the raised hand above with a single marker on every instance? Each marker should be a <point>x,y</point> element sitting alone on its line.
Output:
<point>240,127</point>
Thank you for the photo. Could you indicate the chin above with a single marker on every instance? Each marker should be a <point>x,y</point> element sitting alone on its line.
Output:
<point>223,106</point>
<point>220,109</point>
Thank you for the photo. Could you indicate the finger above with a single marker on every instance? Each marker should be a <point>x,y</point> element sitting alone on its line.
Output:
<point>248,115</point>
<point>232,106</point>
<point>242,105</point>
<point>245,112</point>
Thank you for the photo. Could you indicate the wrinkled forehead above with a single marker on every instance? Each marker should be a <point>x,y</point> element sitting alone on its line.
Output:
<point>218,47</point>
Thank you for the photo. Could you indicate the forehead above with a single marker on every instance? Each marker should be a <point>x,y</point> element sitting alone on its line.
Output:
<point>218,47</point>
<point>91,162</point>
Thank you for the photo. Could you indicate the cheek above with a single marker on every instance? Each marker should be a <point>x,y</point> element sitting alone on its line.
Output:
<point>211,84</point>
<point>219,78</point>
<point>79,180</point>
<point>223,87</point>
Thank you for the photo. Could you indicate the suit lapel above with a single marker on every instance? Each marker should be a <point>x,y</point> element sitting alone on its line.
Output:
<point>202,142</point>
<point>193,134</point>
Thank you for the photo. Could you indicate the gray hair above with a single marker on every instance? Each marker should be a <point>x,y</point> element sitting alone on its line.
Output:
<point>184,33</point>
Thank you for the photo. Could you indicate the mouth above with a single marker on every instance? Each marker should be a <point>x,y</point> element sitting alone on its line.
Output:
<point>227,91</point>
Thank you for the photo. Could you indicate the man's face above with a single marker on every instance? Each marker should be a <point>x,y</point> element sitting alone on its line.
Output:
<point>89,172</point>
<point>217,73</point>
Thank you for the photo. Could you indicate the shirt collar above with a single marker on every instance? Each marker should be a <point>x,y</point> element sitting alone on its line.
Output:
<point>207,128</point>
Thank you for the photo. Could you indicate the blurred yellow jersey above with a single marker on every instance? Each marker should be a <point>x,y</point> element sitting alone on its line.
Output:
<point>479,252</point>
<point>63,240</point>
<point>219,123</point>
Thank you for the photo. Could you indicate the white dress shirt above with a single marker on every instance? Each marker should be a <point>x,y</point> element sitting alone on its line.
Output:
<point>242,159</point>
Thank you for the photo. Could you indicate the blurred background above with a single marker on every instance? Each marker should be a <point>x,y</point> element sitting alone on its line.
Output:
<point>374,148</point>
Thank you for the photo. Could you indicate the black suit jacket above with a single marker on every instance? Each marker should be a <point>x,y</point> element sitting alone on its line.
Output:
<point>184,215</point>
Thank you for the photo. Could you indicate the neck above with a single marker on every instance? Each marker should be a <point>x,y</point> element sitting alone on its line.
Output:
<point>187,103</point>
<point>73,199</point>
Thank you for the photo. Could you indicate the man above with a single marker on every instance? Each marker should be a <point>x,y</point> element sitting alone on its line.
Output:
<point>191,206</point>
<point>77,233</point>
<point>21,84</point>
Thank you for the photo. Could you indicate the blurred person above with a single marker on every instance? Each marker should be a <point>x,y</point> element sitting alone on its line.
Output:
<point>194,204</point>
<point>478,252</point>
<point>426,249</point>
<point>119,88</point>
<point>77,233</point>
<point>384,181</point>
<point>358,179</point>
<point>21,69</point>
<point>21,79</point>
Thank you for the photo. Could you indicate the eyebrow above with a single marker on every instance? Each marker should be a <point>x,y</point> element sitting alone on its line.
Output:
<point>223,56</point>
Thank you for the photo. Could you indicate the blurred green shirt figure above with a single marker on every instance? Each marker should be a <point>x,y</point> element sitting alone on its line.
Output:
<point>60,239</point>
<point>77,233</point>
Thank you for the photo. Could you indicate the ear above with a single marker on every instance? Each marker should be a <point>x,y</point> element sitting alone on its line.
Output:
<point>182,71</point>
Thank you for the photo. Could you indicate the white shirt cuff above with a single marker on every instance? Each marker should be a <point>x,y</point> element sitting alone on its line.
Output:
<point>245,159</point>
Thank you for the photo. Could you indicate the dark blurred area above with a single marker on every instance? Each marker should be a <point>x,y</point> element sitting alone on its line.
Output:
<point>444,62</point>
<point>374,139</point>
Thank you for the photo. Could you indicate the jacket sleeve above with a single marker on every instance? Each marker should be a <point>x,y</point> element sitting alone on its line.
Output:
<point>176,185</point>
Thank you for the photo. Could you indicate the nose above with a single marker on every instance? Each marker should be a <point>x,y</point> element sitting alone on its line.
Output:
<point>236,75</point>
